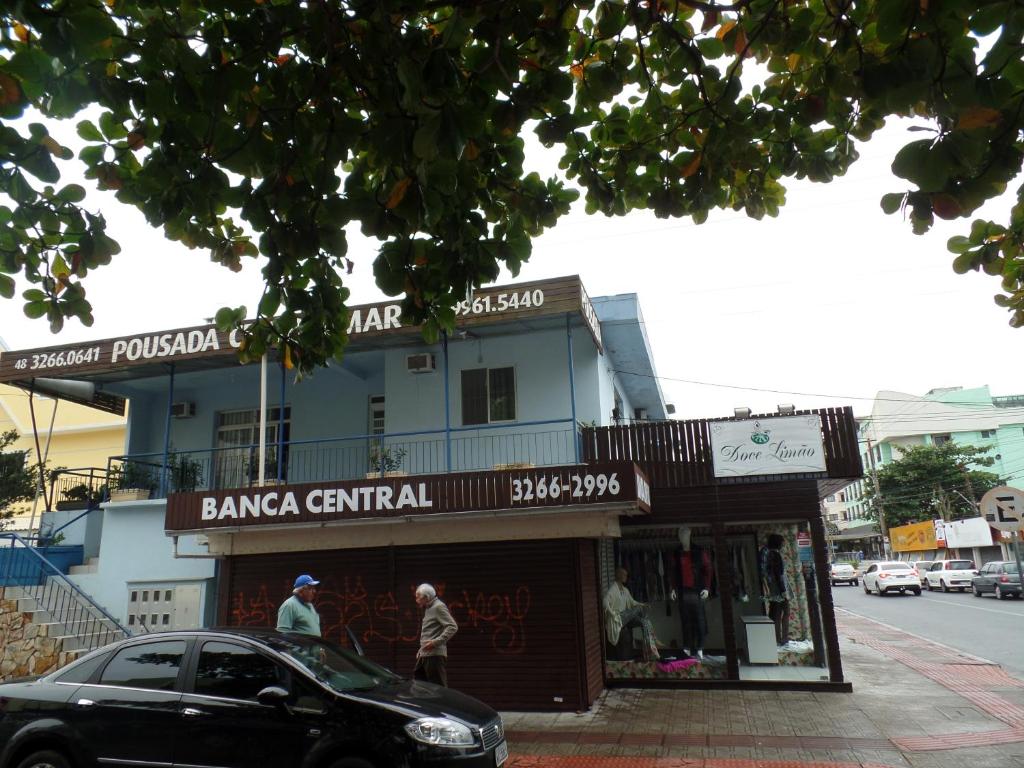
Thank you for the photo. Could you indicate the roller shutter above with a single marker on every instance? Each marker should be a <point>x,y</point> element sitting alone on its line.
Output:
<point>526,636</point>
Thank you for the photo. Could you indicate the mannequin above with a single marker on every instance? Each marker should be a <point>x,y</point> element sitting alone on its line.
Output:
<point>774,586</point>
<point>621,612</point>
<point>694,589</point>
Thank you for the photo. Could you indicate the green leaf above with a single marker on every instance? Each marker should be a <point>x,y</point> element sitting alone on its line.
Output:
<point>424,143</point>
<point>72,193</point>
<point>6,287</point>
<point>893,201</point>
<point>35,310</point>
<point>88,131</point>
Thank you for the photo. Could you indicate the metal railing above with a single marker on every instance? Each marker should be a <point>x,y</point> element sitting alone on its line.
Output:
<point>28,574</point>
<point>462,449</point>
<point>81,488</point>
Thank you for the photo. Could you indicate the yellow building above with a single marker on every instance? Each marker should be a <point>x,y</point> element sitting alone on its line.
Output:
<point>80,437</point>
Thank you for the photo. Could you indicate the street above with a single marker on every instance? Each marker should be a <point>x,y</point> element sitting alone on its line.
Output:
<point>983,626</point>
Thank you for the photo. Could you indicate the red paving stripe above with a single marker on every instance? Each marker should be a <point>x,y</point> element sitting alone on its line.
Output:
<point>957,740</point>
<point>593,761</point>
<point>954,677</point>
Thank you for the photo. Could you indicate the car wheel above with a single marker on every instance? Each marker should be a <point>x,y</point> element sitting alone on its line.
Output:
<point>975,590</point>
<point>944,585</point>
<point>999,592</point>
<point>928,585</point>
<point>878,589</point>
<point>866,590</point>
<point>854,583</point>
<point>45,759</point>
<point>917,592</point>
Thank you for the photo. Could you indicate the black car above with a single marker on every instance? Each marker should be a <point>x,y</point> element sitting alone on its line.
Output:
<point>240,699</point>
<point>998,577</point>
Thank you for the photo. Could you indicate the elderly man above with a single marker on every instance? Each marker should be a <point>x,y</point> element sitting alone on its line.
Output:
<point>438,628</point>
<point>297,613</point>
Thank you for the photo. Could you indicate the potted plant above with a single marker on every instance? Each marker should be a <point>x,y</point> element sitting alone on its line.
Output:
<point>76,497</point>
<point>185,473</point>
<point>132,482</point>
<point>386,462</point>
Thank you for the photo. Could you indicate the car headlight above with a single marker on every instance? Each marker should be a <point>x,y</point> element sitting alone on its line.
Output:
<point>440,731</point>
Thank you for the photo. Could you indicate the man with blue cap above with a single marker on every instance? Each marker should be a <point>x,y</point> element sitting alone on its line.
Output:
<point>297,613</point>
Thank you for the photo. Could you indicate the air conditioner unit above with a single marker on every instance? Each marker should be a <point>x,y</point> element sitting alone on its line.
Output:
<point>183,410</point>
<point>640,414</point>
<point>421,363</point>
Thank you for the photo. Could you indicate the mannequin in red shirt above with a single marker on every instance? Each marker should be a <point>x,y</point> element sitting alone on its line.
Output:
<point>694,588</point>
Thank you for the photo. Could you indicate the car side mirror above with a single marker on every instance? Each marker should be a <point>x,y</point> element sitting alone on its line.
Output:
<point>977,573</point>
<point>272,695</point>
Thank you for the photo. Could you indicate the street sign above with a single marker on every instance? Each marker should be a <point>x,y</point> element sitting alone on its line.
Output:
<point>1003,508</point>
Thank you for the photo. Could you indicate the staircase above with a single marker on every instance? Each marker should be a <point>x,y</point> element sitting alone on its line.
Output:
<point>45,620</point>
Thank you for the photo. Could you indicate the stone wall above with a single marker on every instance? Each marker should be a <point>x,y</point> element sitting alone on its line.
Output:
<point>26,647</point>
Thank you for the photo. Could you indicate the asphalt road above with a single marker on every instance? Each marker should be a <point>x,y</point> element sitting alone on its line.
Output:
<point>982,626</point>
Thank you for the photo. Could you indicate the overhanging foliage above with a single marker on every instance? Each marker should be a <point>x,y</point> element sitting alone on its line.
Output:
<point>264,127</point>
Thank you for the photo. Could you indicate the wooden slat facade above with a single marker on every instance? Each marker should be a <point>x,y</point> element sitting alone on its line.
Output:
<point>529,625</point>
<point>677,454</point>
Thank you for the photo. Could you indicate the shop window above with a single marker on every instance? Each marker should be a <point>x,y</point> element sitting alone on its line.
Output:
<point>488,395</point>
<point>677,634</point>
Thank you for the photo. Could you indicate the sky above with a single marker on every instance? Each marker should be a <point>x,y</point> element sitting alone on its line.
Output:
<point>825,305</point>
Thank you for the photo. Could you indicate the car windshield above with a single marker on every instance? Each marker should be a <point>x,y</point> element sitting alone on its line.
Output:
<point>336,667</point>
<point>895,566</point>
<point>960,565</point>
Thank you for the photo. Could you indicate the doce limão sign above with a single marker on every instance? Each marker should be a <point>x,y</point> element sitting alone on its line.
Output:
<point>770,446</point>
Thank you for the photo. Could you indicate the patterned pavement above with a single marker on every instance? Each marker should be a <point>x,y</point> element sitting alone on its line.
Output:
<point>915,704</point>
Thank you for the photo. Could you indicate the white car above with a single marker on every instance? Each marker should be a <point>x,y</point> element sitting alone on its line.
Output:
<point>885,577</point>
<point>843,573</point>
<point>949,574</point>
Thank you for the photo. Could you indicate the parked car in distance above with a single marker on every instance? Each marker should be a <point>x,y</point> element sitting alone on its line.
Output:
<point>891,576</point>
<point>999,577</point>
<point>921,566</point>
<point>843,573</point>
<point>948,575</point>
<point>240,698</point>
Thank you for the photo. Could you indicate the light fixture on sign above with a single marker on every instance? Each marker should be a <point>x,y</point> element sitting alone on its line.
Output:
<point>787,409</point>
<point>741,413</point>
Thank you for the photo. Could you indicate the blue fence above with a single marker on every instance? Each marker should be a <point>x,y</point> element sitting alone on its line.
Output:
<point>36,574</point>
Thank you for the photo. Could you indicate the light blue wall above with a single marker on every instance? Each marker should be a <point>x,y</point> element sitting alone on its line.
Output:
<point>134,549</point>
<point>332,405</point>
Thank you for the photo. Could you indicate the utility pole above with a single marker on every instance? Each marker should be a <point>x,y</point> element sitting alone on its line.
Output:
<point>878,498</point>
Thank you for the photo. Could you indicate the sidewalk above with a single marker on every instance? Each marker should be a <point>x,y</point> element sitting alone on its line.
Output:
<point>915,705</point>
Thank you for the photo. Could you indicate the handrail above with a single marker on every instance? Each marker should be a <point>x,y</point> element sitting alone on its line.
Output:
<point>56,573</point>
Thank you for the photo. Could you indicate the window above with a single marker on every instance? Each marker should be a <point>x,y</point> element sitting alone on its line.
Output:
<point>238,432</point>
<point>83,670</point>
<point>941,439</point>
<point>233,672</point>
<point>147,665</point>
<point>878,453</point>
<point>488,395</point>
<point>988,433</point>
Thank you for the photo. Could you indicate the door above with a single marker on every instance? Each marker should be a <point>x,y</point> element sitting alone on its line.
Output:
<point>236,458</point>
<point>225,726</point>
<point>129,717</point>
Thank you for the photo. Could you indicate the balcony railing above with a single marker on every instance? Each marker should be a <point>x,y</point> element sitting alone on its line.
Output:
<point>538,443</point>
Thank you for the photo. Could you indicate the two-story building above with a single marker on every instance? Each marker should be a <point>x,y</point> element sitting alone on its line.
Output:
<point>514,465</point>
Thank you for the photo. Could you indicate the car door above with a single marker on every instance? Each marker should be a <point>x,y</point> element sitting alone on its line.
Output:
<point>871,577</point>
<point>934,573</point>
<point>225,725</point>
<point>986,577</point>
<point>129,715</point>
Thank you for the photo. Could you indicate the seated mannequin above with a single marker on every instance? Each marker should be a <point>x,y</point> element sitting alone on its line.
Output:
<point>622,612</point>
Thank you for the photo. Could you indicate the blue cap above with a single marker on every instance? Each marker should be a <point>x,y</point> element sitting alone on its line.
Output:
<point>305,580</point>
